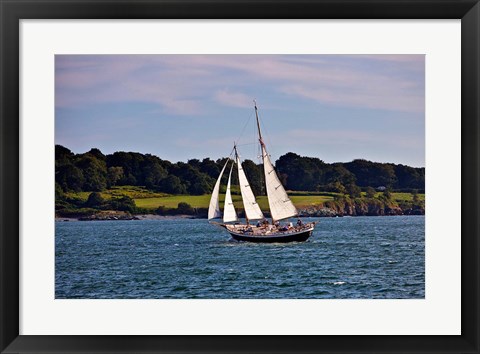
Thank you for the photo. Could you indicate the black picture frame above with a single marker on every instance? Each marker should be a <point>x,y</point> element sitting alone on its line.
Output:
<point>14,10</point>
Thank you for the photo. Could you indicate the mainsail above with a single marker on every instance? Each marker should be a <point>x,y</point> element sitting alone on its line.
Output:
<point>229,213</point>
<point>214,207</point>
<point>252,210</point>
<point>281,207</point>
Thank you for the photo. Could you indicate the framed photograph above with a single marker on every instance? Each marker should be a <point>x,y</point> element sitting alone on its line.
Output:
<point>239,177</point>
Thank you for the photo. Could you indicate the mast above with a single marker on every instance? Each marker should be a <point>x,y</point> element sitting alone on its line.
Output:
<point>258,125</point>
<point>261,143</point>
<point>281,207</point>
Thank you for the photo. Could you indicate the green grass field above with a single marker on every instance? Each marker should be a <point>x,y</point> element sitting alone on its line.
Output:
<point>120,191</point>
<point>399,197</point>
<point>171,201</point>
<point>152,200</point>
<point>202,201</point>
<point>406,197</point>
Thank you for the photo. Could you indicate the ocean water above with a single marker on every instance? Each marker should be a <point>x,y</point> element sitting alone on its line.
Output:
<point>346,258</point>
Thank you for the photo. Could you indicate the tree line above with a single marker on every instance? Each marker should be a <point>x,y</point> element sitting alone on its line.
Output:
<point>94,172</point>
<point>312,174</point>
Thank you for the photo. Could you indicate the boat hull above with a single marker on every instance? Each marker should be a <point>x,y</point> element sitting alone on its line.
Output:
<point>281,237</point>
<point>300,237</point>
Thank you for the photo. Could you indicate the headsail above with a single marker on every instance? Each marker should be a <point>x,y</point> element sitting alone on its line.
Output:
<point>214,207</point>
<point>252,210</point>
<point>229,213</point>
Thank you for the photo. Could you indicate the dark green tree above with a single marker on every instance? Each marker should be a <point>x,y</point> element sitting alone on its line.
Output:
<point>353,190</point>
<point>195,163</point>
<point>131,163</point>
<point>62,153</point>
<point>95,200</point>
<point>124,203</point>
<point>338,173</point>
<point>97,154</point>
<point>172,185</point>
<point>410,177</point>
<point>94,171</point>
<point>184,208</point>
<point>196,182</point>
<point>154,173</point>
<point>69,177</point>
<point>114,174</point>
<point>300,173</point>
<point>210,168</point>
<point>372,174</point>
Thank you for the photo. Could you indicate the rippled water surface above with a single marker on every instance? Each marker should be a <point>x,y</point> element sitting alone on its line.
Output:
<point>351,257</point>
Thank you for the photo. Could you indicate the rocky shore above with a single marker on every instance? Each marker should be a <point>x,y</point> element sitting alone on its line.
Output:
<point>333,208</point>
<point>363,207</point>
<point>119,215</point>
<point>329,212</point>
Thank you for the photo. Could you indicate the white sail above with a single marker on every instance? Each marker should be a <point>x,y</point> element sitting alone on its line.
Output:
<point>252,210</point>
<point>281,207</point>
<point>229,213</point>
<point>214,207</point>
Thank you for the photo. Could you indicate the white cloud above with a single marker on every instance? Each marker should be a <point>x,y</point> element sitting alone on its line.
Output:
<point>233,99</point>
<point>183,84</point>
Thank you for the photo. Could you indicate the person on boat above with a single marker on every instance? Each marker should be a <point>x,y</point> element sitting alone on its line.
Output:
<point>259,224</point>
<point>290,225</point>
<point>299,222</point>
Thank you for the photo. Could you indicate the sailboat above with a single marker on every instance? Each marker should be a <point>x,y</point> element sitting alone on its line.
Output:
<point>256,227</point>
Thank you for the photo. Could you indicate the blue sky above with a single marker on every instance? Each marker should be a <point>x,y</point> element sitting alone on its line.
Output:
<point>178,107</point>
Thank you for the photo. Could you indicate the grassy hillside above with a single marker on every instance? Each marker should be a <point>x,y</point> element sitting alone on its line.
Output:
<point>120,191</point>
<point>152,200</point>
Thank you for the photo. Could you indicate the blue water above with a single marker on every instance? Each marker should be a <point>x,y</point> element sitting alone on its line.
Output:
<point>351,257</point>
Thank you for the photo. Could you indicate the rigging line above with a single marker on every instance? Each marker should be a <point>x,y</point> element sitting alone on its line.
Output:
<point>256,149</point>
<point>265,135</point>
<point>256,138</point>
<point>245,126</point>
<point>266,139</point>
<point>229,156</point>
<point>246,144</point>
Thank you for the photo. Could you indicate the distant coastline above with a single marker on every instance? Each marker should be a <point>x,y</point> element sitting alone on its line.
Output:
<point>125,185</point>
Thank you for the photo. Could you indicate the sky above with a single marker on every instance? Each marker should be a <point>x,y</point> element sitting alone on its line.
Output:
<point>179,107</point>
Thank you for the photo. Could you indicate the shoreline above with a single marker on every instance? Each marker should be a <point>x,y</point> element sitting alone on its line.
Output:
<point>133,217</point>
